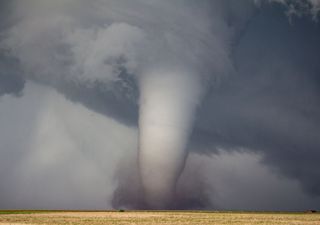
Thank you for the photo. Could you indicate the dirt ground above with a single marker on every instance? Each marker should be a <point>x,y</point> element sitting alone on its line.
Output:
<point>150,218</point>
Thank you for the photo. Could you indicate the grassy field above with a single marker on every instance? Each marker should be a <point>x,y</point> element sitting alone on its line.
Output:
<point>156,217</point>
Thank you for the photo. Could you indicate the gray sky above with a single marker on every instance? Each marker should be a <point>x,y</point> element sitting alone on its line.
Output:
<point>69,101</point>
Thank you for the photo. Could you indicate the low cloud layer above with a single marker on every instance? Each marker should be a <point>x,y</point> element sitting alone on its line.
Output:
<point>54,156</point>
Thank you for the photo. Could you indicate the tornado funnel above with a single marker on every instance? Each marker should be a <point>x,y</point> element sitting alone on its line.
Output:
<point>168,103</point>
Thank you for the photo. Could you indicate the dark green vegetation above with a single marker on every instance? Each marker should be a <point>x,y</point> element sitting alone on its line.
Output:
<point>18,212</point>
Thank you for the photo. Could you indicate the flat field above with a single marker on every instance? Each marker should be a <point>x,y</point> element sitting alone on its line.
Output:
<point>155,217</point>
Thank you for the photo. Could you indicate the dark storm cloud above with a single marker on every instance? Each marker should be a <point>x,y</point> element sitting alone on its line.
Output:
<point>268,105</point>
<point>117,100</point>
<point>107,99</point>
<point>271,105</point>
<point>11,81</point>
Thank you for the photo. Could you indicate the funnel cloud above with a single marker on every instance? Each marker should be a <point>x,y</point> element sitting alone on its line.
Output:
<point>165,123</point>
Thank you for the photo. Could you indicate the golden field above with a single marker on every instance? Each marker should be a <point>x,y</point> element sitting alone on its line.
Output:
<point>155,217</point>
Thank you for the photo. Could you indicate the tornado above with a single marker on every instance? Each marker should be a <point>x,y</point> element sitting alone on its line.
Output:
<point>167,51</point>
<point>168,101</point>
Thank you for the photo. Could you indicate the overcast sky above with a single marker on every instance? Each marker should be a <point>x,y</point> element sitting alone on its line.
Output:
<point>70,78</point>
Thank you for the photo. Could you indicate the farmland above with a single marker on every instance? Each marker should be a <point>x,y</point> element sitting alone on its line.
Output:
<point>155,217</point>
